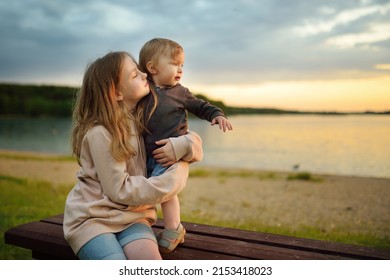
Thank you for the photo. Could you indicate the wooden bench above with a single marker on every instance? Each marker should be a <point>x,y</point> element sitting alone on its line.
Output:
<point>46,241</point>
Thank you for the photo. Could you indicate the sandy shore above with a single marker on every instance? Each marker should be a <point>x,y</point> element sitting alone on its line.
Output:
<point>359,205</point>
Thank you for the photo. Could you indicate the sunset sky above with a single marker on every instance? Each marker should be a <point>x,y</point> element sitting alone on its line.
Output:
<point>312,55</point>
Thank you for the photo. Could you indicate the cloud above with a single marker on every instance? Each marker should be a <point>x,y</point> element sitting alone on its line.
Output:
<point>312,27</point>
<point>236,41</point>
<point>378,33</point>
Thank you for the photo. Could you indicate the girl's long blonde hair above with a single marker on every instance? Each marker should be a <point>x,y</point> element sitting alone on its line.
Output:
<point>96,104</point>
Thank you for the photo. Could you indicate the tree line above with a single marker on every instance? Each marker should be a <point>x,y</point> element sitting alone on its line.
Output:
<point>36,101</point>
<point>47,100</point>
<point>58,101</point>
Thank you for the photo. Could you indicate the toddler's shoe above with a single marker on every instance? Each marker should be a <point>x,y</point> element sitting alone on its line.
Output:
<point>169,239</point>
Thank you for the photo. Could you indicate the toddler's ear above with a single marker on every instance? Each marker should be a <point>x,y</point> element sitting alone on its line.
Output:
<point>151,68</point>
<point>118,95</point>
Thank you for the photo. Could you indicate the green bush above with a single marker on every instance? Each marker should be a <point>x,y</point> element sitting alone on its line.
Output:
<point>36,101</point>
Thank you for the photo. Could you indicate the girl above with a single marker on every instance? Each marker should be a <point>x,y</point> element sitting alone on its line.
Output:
<point>109,212</point>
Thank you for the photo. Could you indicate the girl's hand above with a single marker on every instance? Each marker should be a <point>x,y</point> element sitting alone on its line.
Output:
<point>165,155</point>
<point>222,122</point>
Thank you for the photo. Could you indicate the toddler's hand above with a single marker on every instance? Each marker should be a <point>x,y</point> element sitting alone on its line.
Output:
<point>222,122</point>
<point>164,155</point>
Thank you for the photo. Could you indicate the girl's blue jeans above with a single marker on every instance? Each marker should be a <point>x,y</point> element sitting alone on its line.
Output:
<point>109,246</point>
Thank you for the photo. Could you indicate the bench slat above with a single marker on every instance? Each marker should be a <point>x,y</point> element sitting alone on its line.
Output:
<point>341,250</point>
<point>46,241</point>
<point>250,250</point>
<point>41,237</point>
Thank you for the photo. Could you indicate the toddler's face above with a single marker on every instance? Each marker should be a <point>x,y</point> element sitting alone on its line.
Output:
<point>169,70</point>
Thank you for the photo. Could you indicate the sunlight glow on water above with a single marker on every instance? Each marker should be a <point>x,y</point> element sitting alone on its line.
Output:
<point>350,145</point>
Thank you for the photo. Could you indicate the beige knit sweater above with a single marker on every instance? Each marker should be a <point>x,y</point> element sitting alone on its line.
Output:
<point>110,195</point>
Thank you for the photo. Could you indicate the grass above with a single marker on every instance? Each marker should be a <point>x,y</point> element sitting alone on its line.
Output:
<point>304,176</point>
<point>23,201</point>
<point>40,157</point>
<point>225,174</point>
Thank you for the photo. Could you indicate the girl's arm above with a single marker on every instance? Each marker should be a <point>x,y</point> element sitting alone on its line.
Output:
<point>187,147</point>
<point>121,187</point>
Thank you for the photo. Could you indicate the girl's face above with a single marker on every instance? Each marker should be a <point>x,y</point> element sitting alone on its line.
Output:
<point>133,85</point>
<point>169,70</point>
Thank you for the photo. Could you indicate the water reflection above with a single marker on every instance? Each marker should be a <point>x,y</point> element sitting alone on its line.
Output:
<point>42,135</point>
<point>351,145</point>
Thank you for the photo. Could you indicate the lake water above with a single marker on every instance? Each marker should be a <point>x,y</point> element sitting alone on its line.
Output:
<point>347,145</point>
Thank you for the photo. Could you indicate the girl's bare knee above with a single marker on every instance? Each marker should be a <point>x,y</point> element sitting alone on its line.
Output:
<point>142,249</point>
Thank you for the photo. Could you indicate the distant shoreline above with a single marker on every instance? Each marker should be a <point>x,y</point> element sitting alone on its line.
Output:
<point>52,100</point>
<point>39,155</point>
